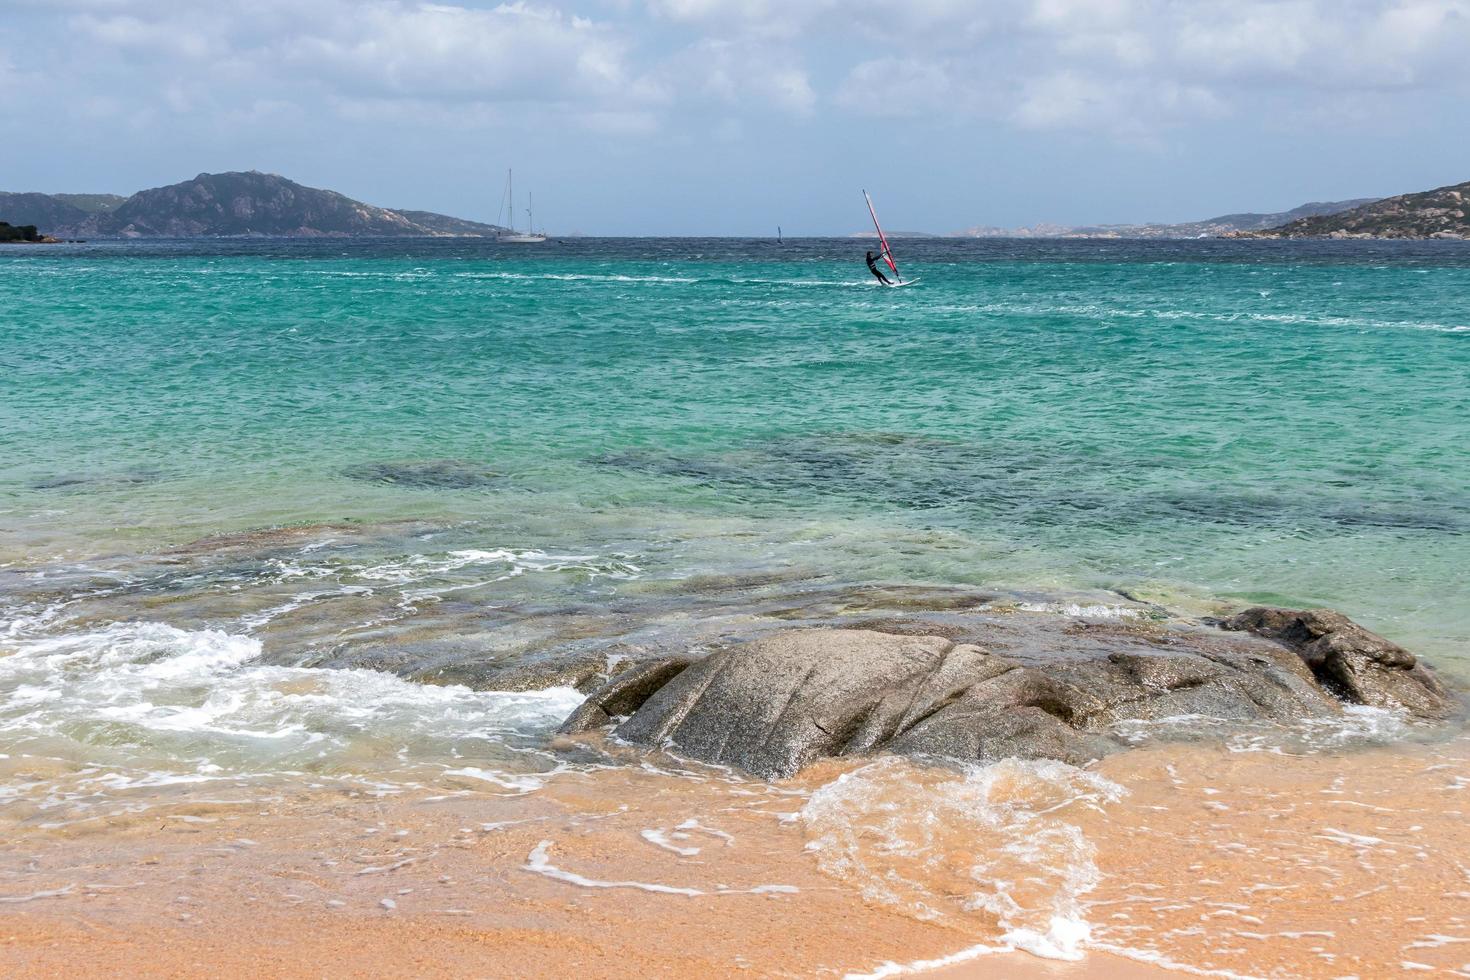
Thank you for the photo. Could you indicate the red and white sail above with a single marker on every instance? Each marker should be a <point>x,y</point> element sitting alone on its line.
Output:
<point>887,252</point>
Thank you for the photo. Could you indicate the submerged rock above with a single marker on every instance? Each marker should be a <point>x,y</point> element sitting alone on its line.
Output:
<point>1034,484</point>
<point>785,700</point>
<point>430,474</point>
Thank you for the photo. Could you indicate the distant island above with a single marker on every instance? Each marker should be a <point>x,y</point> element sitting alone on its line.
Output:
<point>242,204</point>
<point>1441,213</point>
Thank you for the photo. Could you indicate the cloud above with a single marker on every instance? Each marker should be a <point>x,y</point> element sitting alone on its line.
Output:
<point>1125,66</point>
<point>381,48</point>
<point>1132,68</point>
<point>511,52</point>
<point>738,74</point>
<point>891,86</point>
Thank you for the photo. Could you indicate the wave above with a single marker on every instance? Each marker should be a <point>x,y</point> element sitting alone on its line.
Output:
<point>151,704</point>
<point>1100,312</point>
<point>986,846</point>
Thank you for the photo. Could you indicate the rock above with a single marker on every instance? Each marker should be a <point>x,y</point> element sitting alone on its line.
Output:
<point>430,474</point>
<point>774,705</point>
<point>624,694</point>
<point>1357,665</point>
<point>585,673</point>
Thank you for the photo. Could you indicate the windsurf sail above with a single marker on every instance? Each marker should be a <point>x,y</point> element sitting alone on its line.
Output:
<point>887,252</point>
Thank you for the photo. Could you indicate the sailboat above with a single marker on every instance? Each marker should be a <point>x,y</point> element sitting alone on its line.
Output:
<point>887,253</point>
<point>508,207</point>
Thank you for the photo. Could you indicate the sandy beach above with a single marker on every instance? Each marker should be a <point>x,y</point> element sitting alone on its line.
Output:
<point>1243,863</point>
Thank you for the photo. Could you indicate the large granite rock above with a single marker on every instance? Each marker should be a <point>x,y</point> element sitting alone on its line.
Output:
<point>1358,666</point>
<point>773,705</point>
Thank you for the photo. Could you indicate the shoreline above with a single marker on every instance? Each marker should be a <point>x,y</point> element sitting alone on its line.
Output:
<point>847,870</point>
<point>368,946</point>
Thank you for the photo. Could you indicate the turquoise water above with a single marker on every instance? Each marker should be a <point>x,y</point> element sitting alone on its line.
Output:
<point>1188,422</point>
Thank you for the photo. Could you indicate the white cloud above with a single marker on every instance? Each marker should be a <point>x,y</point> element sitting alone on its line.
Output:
<point>381,48</point>
<point>1128,67</point>
<point>899,87</point>
<point>739,74</point>
<point>513,51</point>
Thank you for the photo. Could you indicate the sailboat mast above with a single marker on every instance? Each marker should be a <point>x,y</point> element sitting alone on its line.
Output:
<point>510,188</point>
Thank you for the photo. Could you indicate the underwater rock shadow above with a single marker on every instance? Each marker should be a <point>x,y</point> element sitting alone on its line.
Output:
<point>426,474</point>
<point>1035,487</point>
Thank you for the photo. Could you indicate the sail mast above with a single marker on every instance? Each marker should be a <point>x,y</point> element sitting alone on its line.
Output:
<point>883,239</point>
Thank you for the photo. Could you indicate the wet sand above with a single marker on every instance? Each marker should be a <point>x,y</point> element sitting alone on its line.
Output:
<point>441,887</point>
<point>1240,862</point>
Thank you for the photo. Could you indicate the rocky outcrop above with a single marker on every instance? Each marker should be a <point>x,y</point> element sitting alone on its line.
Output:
<point>785,700</point>
<point>1358,666</point>
<point>22,233</point>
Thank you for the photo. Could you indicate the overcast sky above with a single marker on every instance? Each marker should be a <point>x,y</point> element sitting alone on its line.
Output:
<point>733,116</point>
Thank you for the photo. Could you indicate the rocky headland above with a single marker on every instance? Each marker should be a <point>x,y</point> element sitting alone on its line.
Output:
<point>1440,213</point>
<point>248,204</point>
<point>24,234</point>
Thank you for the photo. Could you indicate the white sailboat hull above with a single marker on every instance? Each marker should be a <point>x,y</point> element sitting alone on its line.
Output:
<point>520,238</point>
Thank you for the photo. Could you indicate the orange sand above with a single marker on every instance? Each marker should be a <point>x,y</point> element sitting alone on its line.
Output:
<point>1228,861</point>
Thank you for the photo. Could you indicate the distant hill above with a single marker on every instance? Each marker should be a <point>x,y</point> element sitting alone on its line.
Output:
<point>92,203</point>
<point>1225,224</point>
<point>46,211</point>
<point>443,224</point>
<point>226,205</point>
<point>1440,213</point>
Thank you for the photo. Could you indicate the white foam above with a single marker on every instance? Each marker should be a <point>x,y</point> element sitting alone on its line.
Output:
<point>893,969</point>
<point>991,839</point>
<point>155,705</point>
<point>539,862</point>
<point>1077,610</point>
<point>692,824</point>
<point>34,896</point>
<point>660,838</point>
<point>518,783</point>
<point>1351,840</point>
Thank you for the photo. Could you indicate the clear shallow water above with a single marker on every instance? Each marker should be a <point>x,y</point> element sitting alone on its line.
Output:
<point>1190,421</point>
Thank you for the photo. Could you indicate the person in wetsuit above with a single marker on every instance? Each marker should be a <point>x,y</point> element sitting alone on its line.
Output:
<point>873,268</point>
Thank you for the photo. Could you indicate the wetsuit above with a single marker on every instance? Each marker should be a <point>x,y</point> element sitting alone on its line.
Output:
<point>873,268</point>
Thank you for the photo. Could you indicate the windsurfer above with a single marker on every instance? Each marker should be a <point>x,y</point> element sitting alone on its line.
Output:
<point>873,268</point>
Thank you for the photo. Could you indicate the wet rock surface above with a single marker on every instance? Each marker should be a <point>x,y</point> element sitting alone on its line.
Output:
<point>1359,666</point>
<point>1033,685</point>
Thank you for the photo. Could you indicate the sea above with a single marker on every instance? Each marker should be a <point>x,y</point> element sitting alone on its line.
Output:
<point>285,526</point>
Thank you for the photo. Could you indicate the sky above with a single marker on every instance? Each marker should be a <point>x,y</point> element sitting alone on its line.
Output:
<point>730,117</point>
